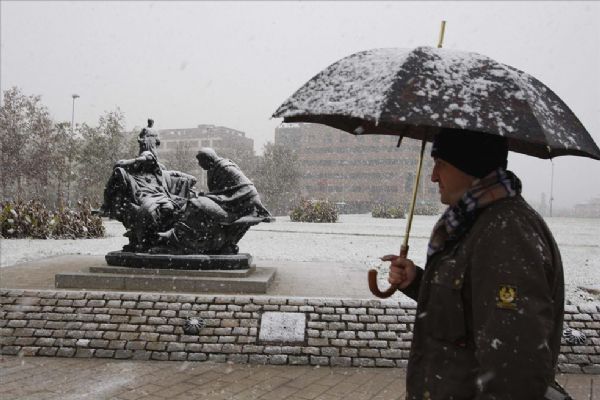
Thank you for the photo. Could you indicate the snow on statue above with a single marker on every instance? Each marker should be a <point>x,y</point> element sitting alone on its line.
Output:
<point>164,214</point>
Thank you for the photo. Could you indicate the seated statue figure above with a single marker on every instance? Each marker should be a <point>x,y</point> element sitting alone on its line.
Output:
<point>163,214</point>
<point>143,195</point>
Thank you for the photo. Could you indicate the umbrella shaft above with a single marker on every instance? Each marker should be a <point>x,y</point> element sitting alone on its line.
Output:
<point>411,210</point>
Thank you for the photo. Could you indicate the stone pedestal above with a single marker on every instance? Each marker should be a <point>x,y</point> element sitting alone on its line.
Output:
<point>172,273</point>
<point>175,261</point>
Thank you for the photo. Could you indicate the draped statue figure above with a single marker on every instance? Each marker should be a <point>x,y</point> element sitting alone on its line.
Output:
<point>164,214</point>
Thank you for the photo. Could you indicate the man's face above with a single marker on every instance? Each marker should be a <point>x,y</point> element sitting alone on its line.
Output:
<point>452,182</point>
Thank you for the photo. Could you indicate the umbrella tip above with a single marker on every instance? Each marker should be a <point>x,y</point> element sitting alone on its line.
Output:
<point>400,140</point>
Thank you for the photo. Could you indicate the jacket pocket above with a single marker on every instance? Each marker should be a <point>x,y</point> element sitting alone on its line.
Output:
<point>445,315</point>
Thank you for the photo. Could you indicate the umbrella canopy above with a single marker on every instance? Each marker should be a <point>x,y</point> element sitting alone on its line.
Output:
<point>413,93</point>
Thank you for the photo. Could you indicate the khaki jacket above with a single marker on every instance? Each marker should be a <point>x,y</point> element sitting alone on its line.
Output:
<point>490,310</point>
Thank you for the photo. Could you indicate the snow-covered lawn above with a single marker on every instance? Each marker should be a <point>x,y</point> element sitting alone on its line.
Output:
<point>355,239</point>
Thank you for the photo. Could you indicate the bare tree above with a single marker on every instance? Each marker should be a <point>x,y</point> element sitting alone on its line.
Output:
<point>277,178</point>
<point>65,148</point>
<point>27,141</point>
<point>101,146</point>
<point>182,158</point>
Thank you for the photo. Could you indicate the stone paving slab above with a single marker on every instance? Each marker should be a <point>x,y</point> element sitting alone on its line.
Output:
<point>71,379</point>
<point>65,379</point>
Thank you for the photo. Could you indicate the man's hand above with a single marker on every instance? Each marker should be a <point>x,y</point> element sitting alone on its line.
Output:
<point>402,270</point>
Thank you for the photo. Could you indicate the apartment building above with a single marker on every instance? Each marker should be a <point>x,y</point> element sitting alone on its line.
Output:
<point>358,171</point>
<point>179,147</point>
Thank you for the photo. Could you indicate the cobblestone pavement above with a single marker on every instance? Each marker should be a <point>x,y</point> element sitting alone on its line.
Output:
<point>73,379</point>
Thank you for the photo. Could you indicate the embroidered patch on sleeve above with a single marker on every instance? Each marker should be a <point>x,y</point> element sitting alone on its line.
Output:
<point>507,297</point>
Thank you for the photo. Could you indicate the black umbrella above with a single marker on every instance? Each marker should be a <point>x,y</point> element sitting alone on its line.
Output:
<point>413,93</point>
<point>408,92</point>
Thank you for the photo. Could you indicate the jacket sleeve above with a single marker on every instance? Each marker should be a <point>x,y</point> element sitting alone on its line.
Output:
<point>512,310</point>
<point>412,290</point>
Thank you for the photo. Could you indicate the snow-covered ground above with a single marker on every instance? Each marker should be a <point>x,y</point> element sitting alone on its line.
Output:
<point>355,239</point>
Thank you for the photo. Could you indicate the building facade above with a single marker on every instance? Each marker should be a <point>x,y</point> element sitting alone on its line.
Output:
<point>179,147</point>
<point>591,209</point>
<point>359,172</point>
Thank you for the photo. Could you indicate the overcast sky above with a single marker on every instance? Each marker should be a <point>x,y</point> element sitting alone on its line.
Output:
<point>234,63</point>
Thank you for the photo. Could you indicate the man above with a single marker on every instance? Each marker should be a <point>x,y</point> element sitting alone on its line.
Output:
<point>490,299</point>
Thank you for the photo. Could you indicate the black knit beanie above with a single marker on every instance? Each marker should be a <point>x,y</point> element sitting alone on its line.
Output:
<point>474,153</point>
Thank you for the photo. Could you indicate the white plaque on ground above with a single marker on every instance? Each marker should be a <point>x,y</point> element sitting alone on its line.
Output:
<point>282,327</point>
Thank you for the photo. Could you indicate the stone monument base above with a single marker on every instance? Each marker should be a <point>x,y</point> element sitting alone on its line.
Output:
<point>171,273</point>
<point>253,280</point>
<point>179,261</point>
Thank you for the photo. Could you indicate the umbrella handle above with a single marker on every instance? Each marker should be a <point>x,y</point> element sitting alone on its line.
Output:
<point>372,277</point>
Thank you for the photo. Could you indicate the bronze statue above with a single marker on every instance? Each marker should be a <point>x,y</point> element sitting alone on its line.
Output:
<point>162,212</point>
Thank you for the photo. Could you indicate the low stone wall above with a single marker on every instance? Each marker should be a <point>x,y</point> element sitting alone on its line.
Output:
<point>584,358</point>
<point>336,332</point>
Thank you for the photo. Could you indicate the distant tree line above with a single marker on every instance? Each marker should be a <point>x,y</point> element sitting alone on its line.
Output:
<point>58,164</point>
<point>51,161</point>
<point>277,178</point>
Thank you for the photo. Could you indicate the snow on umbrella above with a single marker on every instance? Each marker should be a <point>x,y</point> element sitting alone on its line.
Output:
<point>413,93</point>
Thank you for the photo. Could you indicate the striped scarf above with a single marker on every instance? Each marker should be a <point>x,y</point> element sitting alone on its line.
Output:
<point>457,219</point>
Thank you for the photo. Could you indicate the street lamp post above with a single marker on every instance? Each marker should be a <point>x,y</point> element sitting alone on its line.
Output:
<point>551,187</point>
<point>74,96</point>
